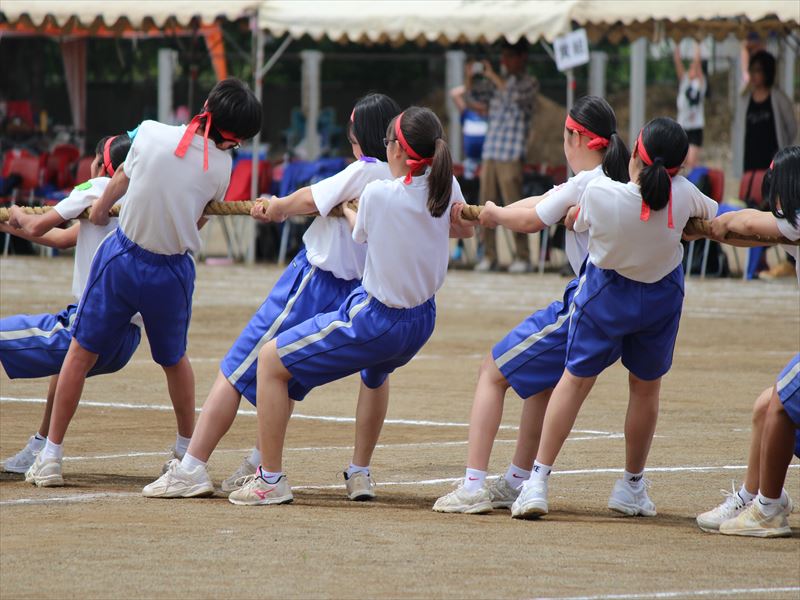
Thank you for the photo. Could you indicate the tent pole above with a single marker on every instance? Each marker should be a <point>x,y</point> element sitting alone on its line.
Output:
<point>453,77</point>
<point>637,91</point>
<point>788,58</point>
<point>597,73</point>
<point>311,86</point>
<point>258,43</point>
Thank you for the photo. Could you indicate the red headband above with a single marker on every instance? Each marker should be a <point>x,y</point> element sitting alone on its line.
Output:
<point>772,165</point>
<point>416,162</point>
<point>107,156</point>
<point>192,128</point>
<point>597,142</point>
<point>671,171</point>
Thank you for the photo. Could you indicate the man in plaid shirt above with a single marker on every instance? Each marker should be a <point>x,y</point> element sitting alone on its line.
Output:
<point>510,116</point>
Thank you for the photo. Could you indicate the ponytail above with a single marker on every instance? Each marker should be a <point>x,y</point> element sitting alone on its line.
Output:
<point>661,146</point>
<point>655,185</point>
<point>593,116</point>
<point>419,133</point>
<point>440,180</point>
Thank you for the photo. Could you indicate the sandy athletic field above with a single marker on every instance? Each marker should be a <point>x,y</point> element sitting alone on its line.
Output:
<point>106,541</point>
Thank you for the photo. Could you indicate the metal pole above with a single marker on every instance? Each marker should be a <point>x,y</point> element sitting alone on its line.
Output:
<point>637,91</point>
<point>311,99</point>
<point>788,58</point>
<point>258,84</point>
<point>597,73</point>
<point>453,77</point>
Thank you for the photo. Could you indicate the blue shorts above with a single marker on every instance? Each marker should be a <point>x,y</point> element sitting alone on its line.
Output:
<point>531,357</point>
<point>615,316</point>
<point>302,292</point>
<point>361,335</point>
<point>788,388</point>
<point>126,279</point>
<point>34,346</point>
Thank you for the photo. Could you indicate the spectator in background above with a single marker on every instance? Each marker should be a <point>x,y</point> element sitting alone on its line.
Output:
<point>510,115</point>
<point>765,123</point>
<point>692,88</point>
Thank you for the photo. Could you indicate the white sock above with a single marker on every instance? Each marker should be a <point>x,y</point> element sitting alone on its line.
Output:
<point>634,479</point>
<point>745,495</point>
<point>353,469</point>
<point>37,442</point>
<point>255,457</point>
<point>540,472</point>
<point>769,506</point>
<point>269,476</point>
<point>516,476</point>
<point>784,499</point>
<point>474,480</point>
<point>190,463</point>
<point>181,445</point>
<point>52,450</point>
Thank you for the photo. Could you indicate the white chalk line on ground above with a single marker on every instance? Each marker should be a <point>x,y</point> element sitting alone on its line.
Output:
<point>118,495</point>
<point>682,594</point>
<point>252,413</point>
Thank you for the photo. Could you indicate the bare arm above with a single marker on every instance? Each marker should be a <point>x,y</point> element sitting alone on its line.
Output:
<point>33,225</point>
<point>696,61</point>
<point>277,210</point>
<point>492,76</point>
<point>459,228</point>
<point>680,71</point>
<point>350,215</point>
<point>457,94</point>
<point>515,217</point>
<point>745,222</point>
<point>114,191</point>
<point>57,238</point>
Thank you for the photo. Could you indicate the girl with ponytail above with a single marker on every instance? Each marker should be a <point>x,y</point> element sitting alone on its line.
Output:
<point>405,222</point>
<point>530,359</point>
<point>628,304</point>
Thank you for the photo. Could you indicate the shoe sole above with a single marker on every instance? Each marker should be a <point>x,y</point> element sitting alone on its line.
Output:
<point>630,511</point>
<point>201,492</point>
<point>362,497</point>
<point>530,512</point>
<point>708,528</point>
<point>761,533</point>
<point>467,509</point>
<point>281,500</point>
<point>49,481</point>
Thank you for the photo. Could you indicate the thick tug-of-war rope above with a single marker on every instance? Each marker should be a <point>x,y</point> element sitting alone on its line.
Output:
<point>695,227</point>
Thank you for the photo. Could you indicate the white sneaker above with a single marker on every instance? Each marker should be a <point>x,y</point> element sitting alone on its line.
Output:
<point>236,480</point>
<point>627,501</point>
<point>45,473</point>
<point>462,501</point>
<point>502,494</point>
<point>520,266</point>
<point>257,491</point>
<point>173,455</point>
<point>752,522</point>
<point>731,507</point>
<point>178,482</point>
<point>531,502</point>
<point>22,460</point>
<point>360,486</point>
<point>485,265</point>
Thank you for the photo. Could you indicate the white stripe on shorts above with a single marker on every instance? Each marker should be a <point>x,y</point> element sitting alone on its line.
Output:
<point>529,341</point>
<point>787,379</point>
<point>20,334</point>
<point>325,331</point>
<point>251,358</point>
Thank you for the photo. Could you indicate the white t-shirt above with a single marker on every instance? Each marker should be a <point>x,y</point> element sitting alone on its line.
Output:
<point>89,236</point>
<point>555,205</point>
<point>329,241</point>
<point>644,251</point>
<point>691,113</point>
<point>791,233</point>
<point>407,248</point>
<point>167,194</point>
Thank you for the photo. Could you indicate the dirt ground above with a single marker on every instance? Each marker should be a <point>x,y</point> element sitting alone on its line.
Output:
<point>98,538</point>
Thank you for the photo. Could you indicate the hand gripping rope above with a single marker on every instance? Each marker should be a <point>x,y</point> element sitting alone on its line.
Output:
<point>695,227</point>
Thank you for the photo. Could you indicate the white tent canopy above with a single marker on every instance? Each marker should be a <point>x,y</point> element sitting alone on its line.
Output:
<point>397,21</point>
<point>137,13</point>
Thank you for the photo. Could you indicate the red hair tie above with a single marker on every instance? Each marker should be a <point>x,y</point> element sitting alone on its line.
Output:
<point>416,162</point>
<point>596,142</point>
<point>353,116</point>
<point>671,171</point>
<point>192,128</point>
<point>772,165</point>
<point>107,156</point>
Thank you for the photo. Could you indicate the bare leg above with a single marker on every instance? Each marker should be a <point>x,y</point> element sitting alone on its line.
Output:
<point>777,448</point>
<point>751,479</point>
<point>77,364</point>
<point>215,419</point>
<point>180,382</point>
<point>530,429</point>
<point>273,405</point>
<point>566,401</point>
<point>640,422</point>
<point>48,409</point>
<point>486,414</point>
<point>370,414</point>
